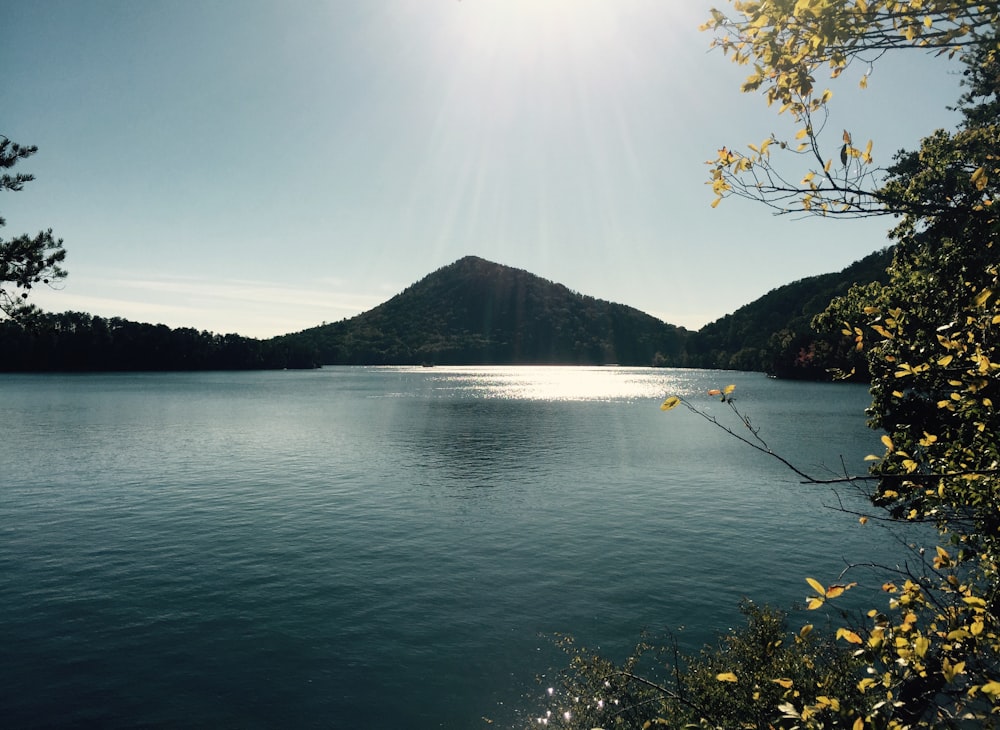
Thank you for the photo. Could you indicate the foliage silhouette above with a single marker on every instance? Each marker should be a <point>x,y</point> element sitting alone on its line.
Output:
<point>25,261</point>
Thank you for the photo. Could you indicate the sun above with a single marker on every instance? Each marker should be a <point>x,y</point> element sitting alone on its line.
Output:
<point>508,36</point>
<point>522,29</point>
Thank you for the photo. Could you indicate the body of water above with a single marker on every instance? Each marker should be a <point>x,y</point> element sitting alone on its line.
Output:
<point>388,547</point>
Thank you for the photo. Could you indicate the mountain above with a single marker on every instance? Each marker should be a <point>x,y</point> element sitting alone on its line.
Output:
<point>478,312</point>
<point>773,334</point>
<point>471,312</point>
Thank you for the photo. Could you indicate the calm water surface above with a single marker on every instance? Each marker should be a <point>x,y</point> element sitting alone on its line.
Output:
<point>387,547</point>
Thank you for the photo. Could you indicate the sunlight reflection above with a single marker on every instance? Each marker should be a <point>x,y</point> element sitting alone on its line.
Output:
<point>553,383</point>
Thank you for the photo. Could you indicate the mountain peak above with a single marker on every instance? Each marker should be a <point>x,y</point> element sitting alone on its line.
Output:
<point>475,311</point>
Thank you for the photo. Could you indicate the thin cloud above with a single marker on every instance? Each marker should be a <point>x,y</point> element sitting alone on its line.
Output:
<point>247,307</point>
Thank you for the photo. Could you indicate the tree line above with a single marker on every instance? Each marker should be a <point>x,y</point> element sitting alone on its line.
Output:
<point>78,342</point>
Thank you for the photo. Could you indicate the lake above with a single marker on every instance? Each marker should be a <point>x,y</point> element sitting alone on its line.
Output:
<point>390,547</point>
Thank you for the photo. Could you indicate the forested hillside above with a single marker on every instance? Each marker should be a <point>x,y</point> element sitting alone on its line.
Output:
<point>478,312</point>
<point>773,334</point>
<point>472,312</point>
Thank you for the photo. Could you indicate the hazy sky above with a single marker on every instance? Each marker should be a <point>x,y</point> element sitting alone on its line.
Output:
<point>260,166</point>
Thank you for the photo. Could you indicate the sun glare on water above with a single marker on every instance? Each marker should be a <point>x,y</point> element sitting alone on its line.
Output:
<point>552,383</point>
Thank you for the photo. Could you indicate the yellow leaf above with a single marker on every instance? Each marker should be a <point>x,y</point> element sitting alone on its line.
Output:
<point>729,389</point>
<point>670,403</point>
<point>726,677</point>
<point>802,133</point>
<point>904,370</point>
<point>859,724</point>
<point>991,688</point>
<point>888,443</point>
<point>979,178</point>
<point>921,645</point>
<point>838,589</point>
<point>950,671</point>
<point>813,603</point>
<point>805,630</point>
<point>849,636</point>
<point>945,361</point>
<point>832,702</point>
<point>784,682</point>
<point>816,586</point>
<point>863,520</point>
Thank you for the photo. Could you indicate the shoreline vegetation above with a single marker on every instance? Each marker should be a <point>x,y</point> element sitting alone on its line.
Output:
<point>473,312</point>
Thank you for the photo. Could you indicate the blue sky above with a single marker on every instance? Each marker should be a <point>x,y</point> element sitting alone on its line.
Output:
<point>262,167</point>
